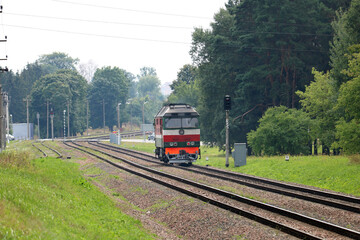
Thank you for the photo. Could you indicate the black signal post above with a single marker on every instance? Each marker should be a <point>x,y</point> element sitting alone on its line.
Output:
<point>227,108</point>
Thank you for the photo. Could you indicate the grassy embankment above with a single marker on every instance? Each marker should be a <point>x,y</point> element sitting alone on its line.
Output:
<point>337,173</point>
<point>49,199</point>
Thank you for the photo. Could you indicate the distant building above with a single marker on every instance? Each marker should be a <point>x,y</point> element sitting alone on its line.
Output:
<point>20,131</point>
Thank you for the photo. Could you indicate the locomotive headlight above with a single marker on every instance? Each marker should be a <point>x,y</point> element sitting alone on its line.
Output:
<point>171,144</point>
<point>192,143</point>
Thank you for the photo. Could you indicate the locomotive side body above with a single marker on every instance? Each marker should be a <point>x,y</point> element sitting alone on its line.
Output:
<point>177,134</point>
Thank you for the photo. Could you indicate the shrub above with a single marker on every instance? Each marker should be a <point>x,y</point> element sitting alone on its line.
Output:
<point>281,131</point>
<point>17,159</point>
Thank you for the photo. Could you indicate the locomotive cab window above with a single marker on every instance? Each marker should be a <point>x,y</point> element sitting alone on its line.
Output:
<point>190,122</point>
<point>173,123</point>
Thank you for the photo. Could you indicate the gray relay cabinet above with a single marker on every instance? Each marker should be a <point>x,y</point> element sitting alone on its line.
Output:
<point>239,154</point>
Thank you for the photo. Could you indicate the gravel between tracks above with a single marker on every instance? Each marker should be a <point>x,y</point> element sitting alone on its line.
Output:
<point>168,213</point>
<point>336,216</point>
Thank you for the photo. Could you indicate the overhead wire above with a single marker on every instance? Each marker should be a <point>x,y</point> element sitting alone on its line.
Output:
<point>158,26</point>
<point>149,40</point>
<point>98,21</point>
<point>144,25</point>
<point>95,35</point>
<point>3,30</point>
<point>173,14</point>
<point>130,10</point>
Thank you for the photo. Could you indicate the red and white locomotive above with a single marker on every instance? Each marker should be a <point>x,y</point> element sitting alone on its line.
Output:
<point>177,134</point>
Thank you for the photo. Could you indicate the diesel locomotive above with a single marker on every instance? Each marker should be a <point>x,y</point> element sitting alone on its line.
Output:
<point>177,134</point>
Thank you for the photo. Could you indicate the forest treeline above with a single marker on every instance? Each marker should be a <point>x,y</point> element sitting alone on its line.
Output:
<point>283,57</point>
<point>57,82</point>
<point>290,67</point>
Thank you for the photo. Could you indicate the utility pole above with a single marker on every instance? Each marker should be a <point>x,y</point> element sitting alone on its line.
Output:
<point>27,100</point>
<point>64,123</point>
<point>47,119</point>
<point>2,130</point>
<point>2,115</point>
<point>131,124</point>
<point>6,99</point>
<point>68,117</point>
<point>52,124</point>
<point>87,117</point>
<point>38,120</point>
<point>143,120</point>
<point>103,103</point>
<point>118,117</point>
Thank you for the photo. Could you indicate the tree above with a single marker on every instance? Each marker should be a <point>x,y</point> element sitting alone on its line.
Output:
<point>319,101</point>
<point>60,88</point>
<point>348,136</point>
<point>346,33</point>
<point>185,87</point>
<point>281,131</point>
<point>148,88</point>
<point>185,93</point>
<point>347,128</point>
<point>110,85</point>
<point>260,53</point>
<point>149,85</point>
<point>19,86</point>
<point>147,71</point>
<point>217,63</point>
<point>187,74</point>
<point>57,60</point>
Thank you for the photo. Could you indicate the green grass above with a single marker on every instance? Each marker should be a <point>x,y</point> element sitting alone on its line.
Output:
<point>49,199</point>
<point>139,146</point>
<point>337,173</point>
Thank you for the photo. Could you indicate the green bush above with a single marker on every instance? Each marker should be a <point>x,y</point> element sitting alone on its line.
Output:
<point>281,131</point>
<point>348,134</point>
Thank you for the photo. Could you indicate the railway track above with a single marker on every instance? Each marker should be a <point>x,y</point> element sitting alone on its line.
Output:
<point>339,201</point>
<point>40,150</point>
<point>106,136</point>
<point>229,200</point>
<point>47,149</point>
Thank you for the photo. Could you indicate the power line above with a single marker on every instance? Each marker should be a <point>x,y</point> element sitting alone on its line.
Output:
<point>96,35</point>
<point>154,40</point>
<point>130,10</point>
<point>161,26</point>
<point>175,15</point>
<point>98,21</point>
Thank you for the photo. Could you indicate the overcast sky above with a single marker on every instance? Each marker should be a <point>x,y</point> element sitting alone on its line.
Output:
<point>127,34</point>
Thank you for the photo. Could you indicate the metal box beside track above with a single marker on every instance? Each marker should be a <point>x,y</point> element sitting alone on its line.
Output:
<point>239,154</point>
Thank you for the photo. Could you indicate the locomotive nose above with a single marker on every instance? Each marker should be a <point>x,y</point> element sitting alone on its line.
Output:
<point>182,152</point>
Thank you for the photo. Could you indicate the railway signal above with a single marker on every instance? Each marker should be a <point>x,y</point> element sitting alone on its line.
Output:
<point>227,102</point>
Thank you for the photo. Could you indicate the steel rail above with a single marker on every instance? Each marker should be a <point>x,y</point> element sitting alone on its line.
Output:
<point>42,151</point>
<point>252,216</point>
<point>300,217</point>
<point>54,150</point>
<point>343,206</point>
<point>105,136</point>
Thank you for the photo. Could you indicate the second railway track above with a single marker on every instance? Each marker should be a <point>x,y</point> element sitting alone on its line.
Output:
<point>46,150</point>
<point>344,202</point>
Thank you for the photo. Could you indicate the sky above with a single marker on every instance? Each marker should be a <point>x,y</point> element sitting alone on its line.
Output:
<point>126,34</point>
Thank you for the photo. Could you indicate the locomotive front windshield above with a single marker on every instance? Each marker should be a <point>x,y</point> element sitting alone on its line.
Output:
<point>192,122</point>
